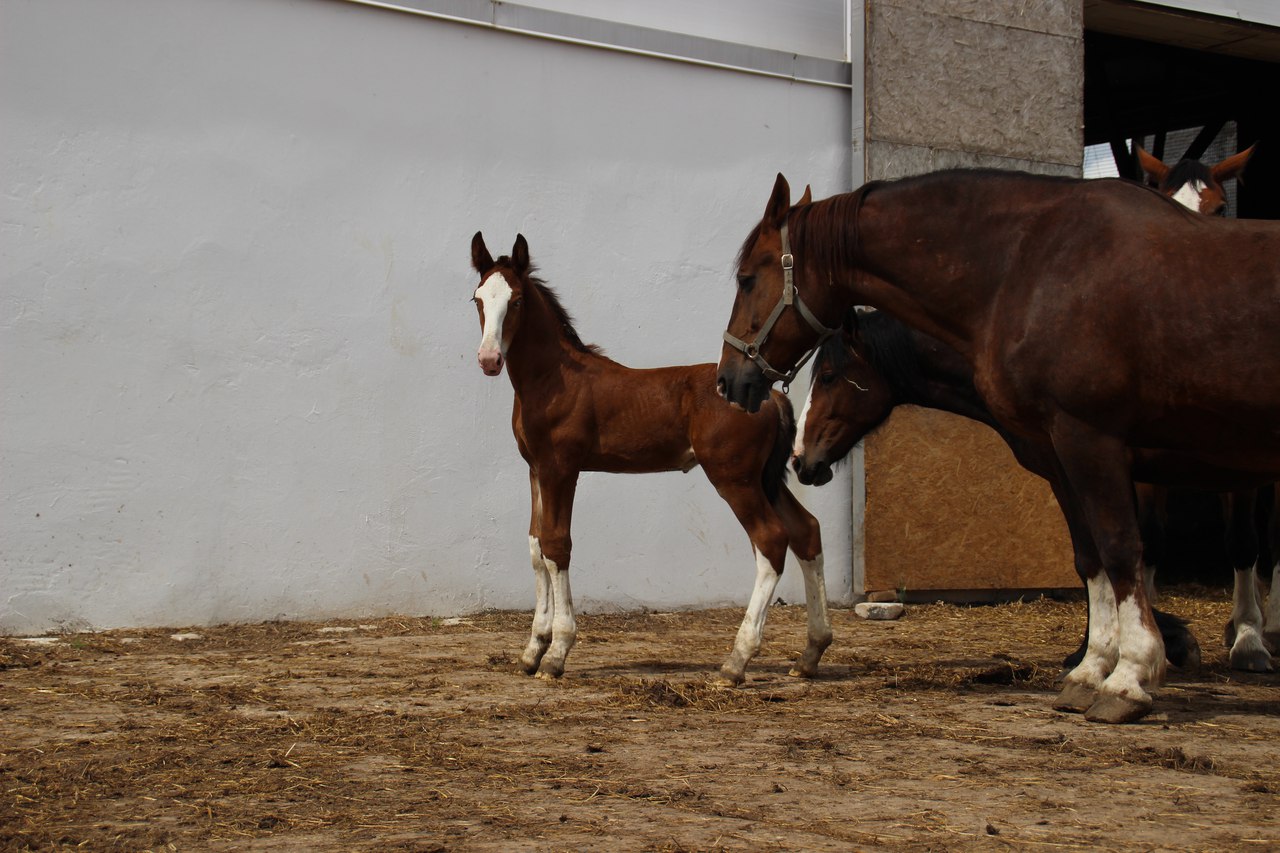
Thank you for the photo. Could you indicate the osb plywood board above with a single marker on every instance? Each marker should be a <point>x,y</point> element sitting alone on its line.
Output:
<point>949,508</point>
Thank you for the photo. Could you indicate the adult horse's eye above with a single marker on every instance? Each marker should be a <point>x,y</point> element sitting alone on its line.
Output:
<point>746,282</point>
<point>515,303</point>
<point>826,377</point>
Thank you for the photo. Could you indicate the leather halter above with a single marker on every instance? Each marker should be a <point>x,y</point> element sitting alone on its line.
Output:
<point>790,296</point>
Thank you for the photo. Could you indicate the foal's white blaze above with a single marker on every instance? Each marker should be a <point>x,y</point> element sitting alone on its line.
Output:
<point>797,449</point>
<point>1188,195</point>
<point>494,294</point>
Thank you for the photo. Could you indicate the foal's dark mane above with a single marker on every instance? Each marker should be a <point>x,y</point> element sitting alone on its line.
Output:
<point>563,319</point>
<point>888,348</point>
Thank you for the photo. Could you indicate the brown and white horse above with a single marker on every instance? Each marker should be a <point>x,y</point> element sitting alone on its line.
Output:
<point>576,410</point>
<point>1076,341</point>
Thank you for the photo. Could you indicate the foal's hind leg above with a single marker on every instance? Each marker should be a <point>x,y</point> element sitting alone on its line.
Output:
<point>806,544</point>
<point>769,540</point>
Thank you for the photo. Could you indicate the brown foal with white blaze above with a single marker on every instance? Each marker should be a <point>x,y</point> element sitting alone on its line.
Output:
<point>576,410</point>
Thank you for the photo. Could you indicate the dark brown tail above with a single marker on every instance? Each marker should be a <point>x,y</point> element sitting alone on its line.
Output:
<point>775,468</point>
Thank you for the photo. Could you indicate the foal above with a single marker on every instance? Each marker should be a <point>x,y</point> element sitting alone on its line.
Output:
<point>576,410</point>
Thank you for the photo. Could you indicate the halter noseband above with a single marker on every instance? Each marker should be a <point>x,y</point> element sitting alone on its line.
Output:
<point>790,296</point>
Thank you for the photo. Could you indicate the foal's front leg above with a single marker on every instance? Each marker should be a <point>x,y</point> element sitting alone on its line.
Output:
<point>540,637</point>
<point>555,502</point>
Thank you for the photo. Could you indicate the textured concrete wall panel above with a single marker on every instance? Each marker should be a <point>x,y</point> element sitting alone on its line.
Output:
<point>889,160</point>
<point>940,81</point>
<point>1054,17</point>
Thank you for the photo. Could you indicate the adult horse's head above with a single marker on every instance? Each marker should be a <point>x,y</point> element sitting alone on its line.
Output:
<point>848,397</point>
<point>498,298</point>
<point>779,315</point>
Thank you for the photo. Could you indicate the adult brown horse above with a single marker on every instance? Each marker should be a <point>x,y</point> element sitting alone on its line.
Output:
<point>1097,316</point>
<point>576,410</point>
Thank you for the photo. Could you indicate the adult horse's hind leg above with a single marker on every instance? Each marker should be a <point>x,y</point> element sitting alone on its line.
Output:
<point>540,637</point>
<point>1270,515</point>
<point>1244,631</point>
<point>806,543</point>
<point>769,541</point>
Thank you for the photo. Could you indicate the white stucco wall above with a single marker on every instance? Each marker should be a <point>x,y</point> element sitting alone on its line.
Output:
<point>237,370</point>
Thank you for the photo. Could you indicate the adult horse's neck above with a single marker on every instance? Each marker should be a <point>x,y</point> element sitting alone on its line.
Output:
<point>930,250</point>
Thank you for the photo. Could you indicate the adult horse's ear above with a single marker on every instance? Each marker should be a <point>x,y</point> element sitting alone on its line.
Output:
<point>779,203</point>
<point>480,257</point>
<point>1155,168</point>
<point>807,197</point>
<point>520,255</point>
<point>1233,165</point>
<point>852,333</point>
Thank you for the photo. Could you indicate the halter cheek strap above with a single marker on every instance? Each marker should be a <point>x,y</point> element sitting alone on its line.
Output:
<point>790,297</point>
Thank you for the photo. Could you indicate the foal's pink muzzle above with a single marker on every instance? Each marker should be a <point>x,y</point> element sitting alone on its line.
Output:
<point>490,361</point>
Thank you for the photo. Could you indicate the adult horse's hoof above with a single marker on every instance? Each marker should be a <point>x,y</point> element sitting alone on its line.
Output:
<point>727,679</point>
<point>1075,698</point>
<point>1117,709</point>
<point>800,671</point>
<point>1251,660</point>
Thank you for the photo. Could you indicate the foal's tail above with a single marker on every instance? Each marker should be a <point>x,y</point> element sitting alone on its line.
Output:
<point>774,476</point>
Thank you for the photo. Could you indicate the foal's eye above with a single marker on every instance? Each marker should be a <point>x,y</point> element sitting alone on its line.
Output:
<point>515,303</point>
<point>746,282</point>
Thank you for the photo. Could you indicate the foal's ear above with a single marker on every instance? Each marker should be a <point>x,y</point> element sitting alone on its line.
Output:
<point>1233,165</point>
<point>480,257</point>
<point>779,203</point>
<point>1153,166</point>
<point>520,255</point>
<point>807,197</point>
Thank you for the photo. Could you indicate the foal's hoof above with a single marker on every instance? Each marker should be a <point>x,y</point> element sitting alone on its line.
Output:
<point>1251,660</point>
<point>1075,698</point>
<point>1117,709</point>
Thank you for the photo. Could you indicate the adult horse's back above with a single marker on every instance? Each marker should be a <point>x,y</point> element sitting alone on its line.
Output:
<point>1096,315</point>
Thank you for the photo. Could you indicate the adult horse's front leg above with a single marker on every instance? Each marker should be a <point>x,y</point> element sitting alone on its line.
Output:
<point>1096,469</point>
<point>556,493</point>
<point>806,543</point>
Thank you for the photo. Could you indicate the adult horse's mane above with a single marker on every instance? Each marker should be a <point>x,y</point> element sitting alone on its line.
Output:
<point>563,318</point>
<point>827,229</point>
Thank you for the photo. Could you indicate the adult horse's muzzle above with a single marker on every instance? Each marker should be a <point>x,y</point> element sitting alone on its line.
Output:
<point>742,383</point>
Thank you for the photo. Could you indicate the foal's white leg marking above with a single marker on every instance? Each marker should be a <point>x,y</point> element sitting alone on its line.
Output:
<point>1104,636</point>
<point>751,630</point>
<point>564,630</point>
<point>542,609</point>
<point>815,600</point>
<point>797,448</point>
<point>1248,652</point>
<point>1188,195</point>
<point>495,295</point>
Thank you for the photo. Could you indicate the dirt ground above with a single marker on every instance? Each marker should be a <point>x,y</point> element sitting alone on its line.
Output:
<point>935,732</point>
